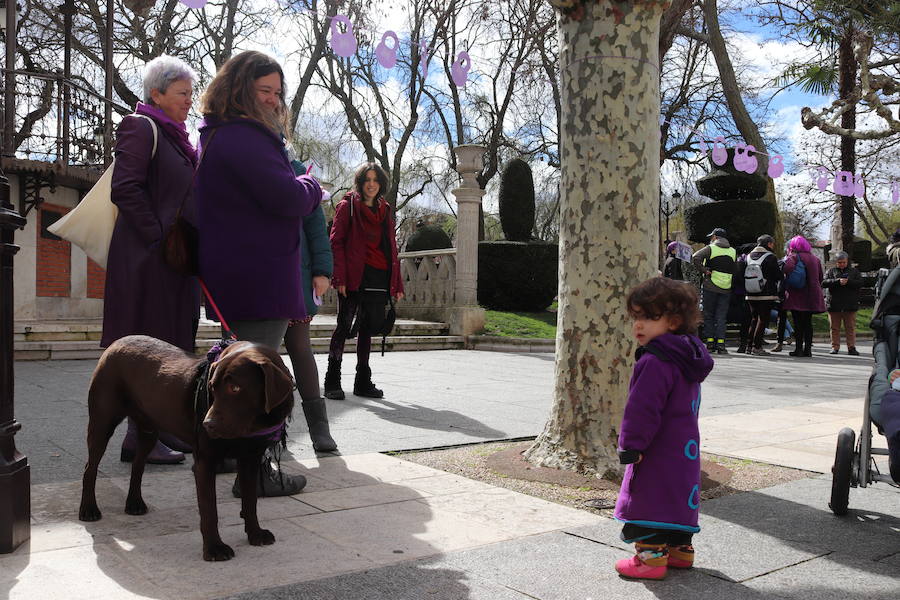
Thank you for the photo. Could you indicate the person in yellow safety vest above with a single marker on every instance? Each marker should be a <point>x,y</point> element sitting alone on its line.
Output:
<point>717,262</point>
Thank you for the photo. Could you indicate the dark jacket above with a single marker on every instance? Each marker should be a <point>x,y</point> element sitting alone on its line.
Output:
<point>348,244</point>
<point>316,250</point>
<point>723,264</point>
<point>660,422</point>
<point>842,298</point>
<point>143,295</point>
<point>808,298</point>
<point>771,272</point>
<point>673,269</point>
<point>250,208</point>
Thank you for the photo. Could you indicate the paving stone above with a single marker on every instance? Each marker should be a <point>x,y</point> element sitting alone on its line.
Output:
<point>833,577</point>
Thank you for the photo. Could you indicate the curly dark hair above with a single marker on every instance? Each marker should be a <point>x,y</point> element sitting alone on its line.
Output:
<point>359,178</point>
<point>662,296</point>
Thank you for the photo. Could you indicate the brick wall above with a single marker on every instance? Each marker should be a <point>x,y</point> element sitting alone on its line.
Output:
<point>54,255</point>
<point>96,279</point>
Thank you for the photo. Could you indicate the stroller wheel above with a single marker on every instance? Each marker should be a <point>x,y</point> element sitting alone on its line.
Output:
<point>842,472</point>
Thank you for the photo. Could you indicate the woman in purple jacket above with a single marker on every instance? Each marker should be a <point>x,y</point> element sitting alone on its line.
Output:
<point>143,295</point>
<point>250,207</point>
<point>659,439</point>
<point>807,299</point>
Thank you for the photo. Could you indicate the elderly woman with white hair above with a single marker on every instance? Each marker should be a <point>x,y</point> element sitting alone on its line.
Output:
<point>842,283</point>
<point>151,182</point>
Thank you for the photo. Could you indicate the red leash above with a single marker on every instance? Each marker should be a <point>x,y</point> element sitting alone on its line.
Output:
<point>225,326</point>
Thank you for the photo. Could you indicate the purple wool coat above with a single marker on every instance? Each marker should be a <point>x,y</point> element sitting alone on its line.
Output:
<point>810,297</point>
<point>663,490</point>
<point>250,208</point>
<point>143,295</point>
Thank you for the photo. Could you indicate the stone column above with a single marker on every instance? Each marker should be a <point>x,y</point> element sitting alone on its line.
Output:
<point>466,317</point>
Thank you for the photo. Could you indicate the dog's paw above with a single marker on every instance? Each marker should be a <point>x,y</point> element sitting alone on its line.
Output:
<point>263,537</point>
<point>135,507</point>
<point>89,513</point>
<point>217,551</point>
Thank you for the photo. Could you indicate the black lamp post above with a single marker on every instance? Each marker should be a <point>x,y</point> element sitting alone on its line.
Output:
<point>15,474</point>
<point>668,211</point>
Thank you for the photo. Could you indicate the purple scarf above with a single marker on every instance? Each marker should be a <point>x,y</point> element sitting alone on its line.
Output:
<point>176,131</point>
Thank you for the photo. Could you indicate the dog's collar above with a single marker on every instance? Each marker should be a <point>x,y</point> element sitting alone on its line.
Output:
<point>273,433</point>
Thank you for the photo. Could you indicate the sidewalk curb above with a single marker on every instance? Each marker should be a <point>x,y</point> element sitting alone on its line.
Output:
<point>497,343</point>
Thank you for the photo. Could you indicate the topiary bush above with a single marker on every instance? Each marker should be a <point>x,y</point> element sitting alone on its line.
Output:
<point>517,275</point>
<point>428,237</point>
<point>743,220</point>
<point>862,255</point>
<point>517,201</point>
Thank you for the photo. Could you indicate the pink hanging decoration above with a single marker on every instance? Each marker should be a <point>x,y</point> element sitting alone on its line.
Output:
<point>343,44</point>
<point>822,181</point>
<point>424,58</point>
<point>895,191</point>
<point>843,183</point>
<point>192,3</point>
<point>459,71</point>
<point>751,163</point>
<point>719,153</point>
<point>859,186</point>
<point>387,55</point>
<point>740,156</point>
<point>776,166</point>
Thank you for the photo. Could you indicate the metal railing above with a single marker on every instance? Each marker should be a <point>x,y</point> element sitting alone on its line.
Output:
<point>58,120</point>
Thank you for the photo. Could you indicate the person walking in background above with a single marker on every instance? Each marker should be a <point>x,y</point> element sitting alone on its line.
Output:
<point>842,283</point>
<point>672,269</point>
<point>762,277</point>
<point>152,179</point>
<point>803,292</point>
<point>659,439</point>
<point>893,249</point>
<point>366,271</point>
<point>717,260</point>
<point>250,209</point>
<point>316,275</point>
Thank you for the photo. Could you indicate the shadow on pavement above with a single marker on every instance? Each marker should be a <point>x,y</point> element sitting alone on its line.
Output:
<point>423,417</point>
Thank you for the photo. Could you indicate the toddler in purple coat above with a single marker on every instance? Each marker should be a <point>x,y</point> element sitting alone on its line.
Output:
<point>659,438</point>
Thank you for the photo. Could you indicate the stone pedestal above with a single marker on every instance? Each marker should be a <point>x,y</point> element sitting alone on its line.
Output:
<point>468,200</point>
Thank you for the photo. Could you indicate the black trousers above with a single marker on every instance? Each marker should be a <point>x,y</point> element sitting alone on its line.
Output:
<point>760,311</point>
<point>632,533</point>
<point>802,329</point>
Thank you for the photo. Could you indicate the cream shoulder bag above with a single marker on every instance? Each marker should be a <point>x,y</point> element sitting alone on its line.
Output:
<point>90,224</point>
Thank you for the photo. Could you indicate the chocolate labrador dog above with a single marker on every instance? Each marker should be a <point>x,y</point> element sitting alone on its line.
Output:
<point>235,410</point>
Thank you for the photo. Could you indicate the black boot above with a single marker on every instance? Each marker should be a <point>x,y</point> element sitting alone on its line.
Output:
<point>333,389</point>
<point>317,420</point>
<point>272,481</point>
<point>363,386</point>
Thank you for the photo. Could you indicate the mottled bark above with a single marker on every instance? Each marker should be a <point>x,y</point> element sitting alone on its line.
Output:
<point>609,187</point>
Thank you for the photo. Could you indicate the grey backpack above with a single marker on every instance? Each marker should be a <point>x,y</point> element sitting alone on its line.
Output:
<point>754,281</point>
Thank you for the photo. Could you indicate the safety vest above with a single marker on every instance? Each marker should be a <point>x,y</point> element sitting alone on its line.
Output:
<point>721,263</point>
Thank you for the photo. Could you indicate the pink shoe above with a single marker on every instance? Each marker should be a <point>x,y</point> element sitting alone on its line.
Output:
<point>635,568</point>
<point>681,557</point>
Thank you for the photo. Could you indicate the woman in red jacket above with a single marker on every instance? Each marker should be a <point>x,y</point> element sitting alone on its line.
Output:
<point>366,271</point>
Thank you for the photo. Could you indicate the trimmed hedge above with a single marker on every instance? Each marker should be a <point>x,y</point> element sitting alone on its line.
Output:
<point>517,275</point>
<point>862,255</point>
<point>743,220</point>
<point>428,237</point>
<point>517,201</point>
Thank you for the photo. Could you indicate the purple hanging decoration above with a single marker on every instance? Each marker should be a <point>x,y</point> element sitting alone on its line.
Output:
<point>459,70</point>
<point>843,183</point>
<point>387,55</point>
<point>343,44</point>
<point>822,181</point>
<point>719,153</point>
<point>192,3</point>
<point>776,167</point>
<point>751,163</point>
<point>423,58</point>
<point>740,156</point>
<point>895,191</point>
<point>859,186</point>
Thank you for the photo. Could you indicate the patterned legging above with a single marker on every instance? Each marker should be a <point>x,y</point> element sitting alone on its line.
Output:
<point>346,311</point>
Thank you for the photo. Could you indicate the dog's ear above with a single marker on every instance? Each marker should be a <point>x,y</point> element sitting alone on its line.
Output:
<point>279,384</point>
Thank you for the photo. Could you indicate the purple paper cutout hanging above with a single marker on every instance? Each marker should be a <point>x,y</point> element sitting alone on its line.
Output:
<point>719,153</point>
<point>740,156</point>
<point>843,183</point>
<point>343,44</point>
<point>387,55</point>
<point>424,58</point>
<point>459,70</point>
<point>895,191</point>
<point>751,163</point>
<point>859,186</point>
<point>776,166</point>
<point>822,181</point>
<point>194,3</point>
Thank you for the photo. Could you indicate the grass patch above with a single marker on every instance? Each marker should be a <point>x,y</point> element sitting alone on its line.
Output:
<point>537,325</point>
<point>863,317</point>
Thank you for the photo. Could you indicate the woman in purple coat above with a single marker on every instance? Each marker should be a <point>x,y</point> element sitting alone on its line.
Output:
<point>803,295</point>
<point>659,439</point>
<point>143,295</point>
<point>250,207</point>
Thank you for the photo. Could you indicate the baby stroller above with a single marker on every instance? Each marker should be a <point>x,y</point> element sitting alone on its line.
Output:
<point>854,463</point>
